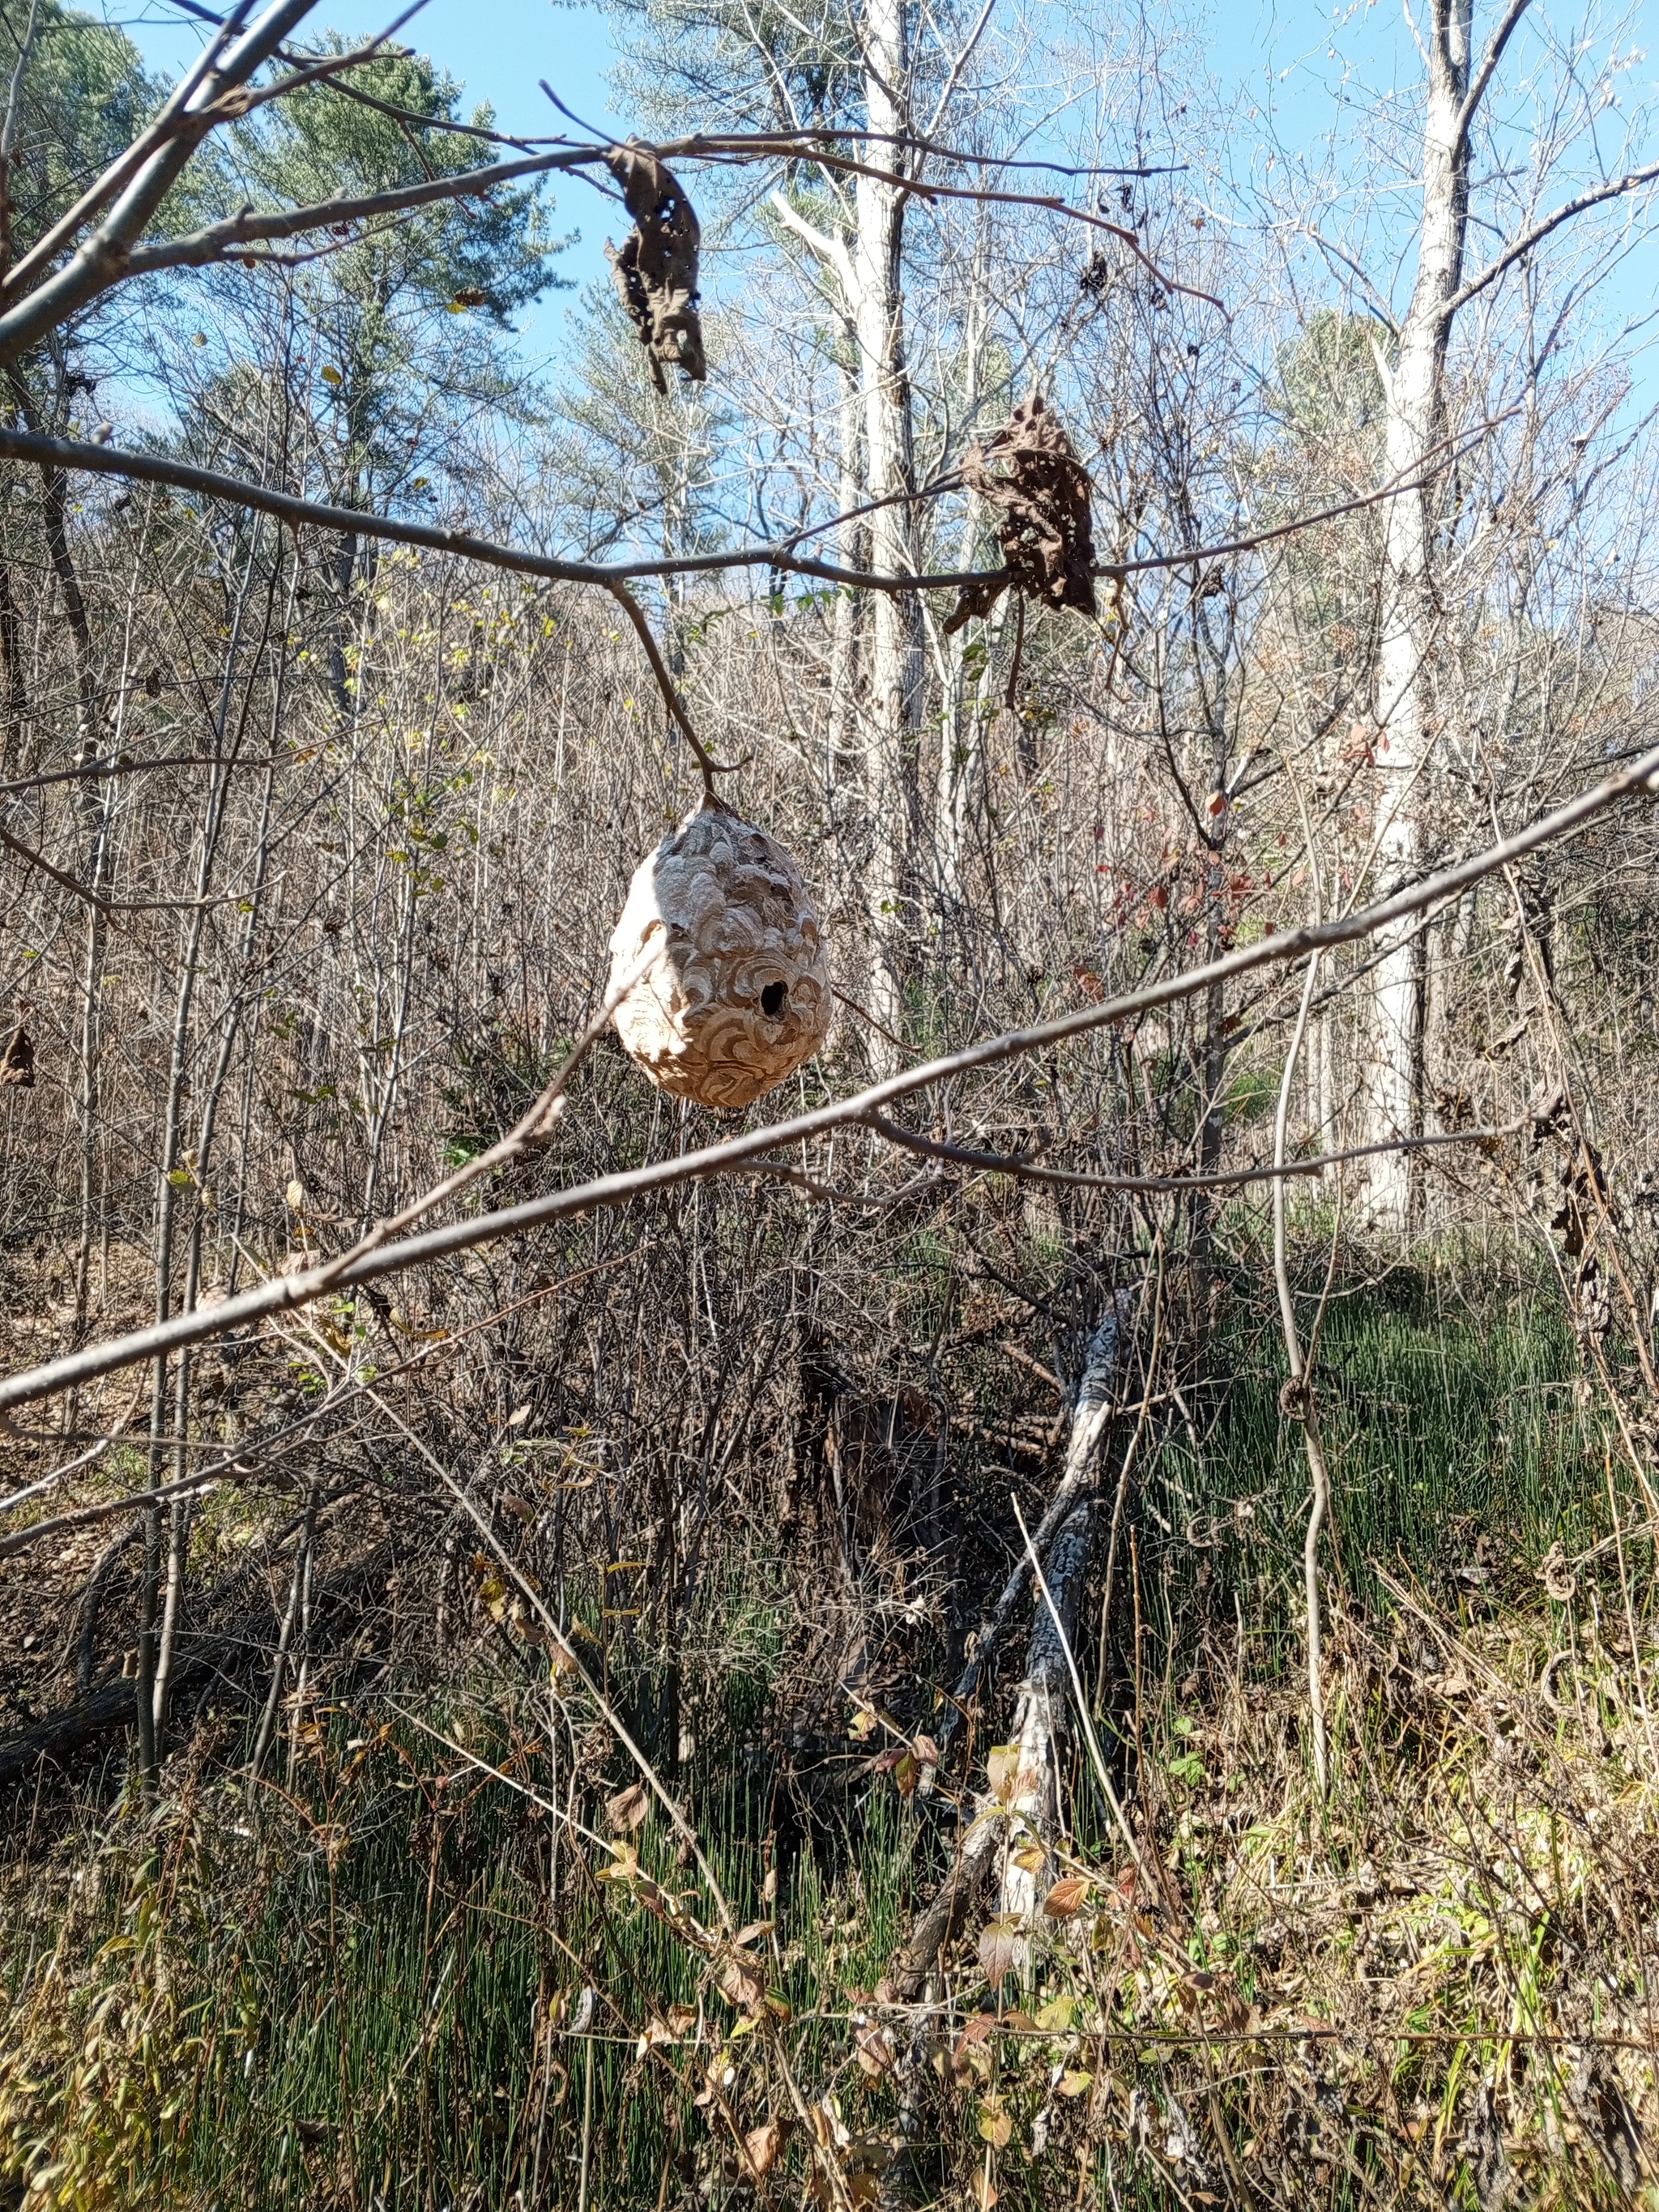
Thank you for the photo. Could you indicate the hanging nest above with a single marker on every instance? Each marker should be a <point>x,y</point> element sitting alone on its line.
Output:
<point>656,271</point>
<point>737,996</point>
<point>1029,474</point>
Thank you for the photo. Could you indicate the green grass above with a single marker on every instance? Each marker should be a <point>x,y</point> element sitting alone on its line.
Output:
<point>368,2002</point>
<point>1455,1438</point>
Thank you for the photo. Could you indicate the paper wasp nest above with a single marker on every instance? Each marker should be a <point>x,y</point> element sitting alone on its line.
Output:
<point>736,995</point>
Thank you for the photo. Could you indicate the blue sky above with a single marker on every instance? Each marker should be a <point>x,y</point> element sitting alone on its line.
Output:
<point>1283,62</point>
<point>499,49</point>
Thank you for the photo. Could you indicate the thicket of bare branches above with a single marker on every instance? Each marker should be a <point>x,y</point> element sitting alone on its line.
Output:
<point>338,712</point>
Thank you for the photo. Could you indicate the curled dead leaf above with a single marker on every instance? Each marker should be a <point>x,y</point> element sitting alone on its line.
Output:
<point>626,1811</point>
<point>1030,474</point>
<point>1557,1577</point>
<point>762,2145</point>
<point>1002,1770</point>
<point>17,1061</point>
<point>739,1981</point>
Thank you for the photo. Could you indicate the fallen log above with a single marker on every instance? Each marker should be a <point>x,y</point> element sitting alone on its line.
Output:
<point>1028,1797</point>
<point>61,1733</point>
<point>1091,1411</point>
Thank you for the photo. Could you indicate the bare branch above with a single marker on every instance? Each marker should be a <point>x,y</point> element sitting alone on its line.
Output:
<point>284,1293</point>
<point>223,241</point>
<point>212,483</point>
<point>1010,1164</point>
<point>1523,246</point>
<point>103,259</point>
<point>1494,54</point>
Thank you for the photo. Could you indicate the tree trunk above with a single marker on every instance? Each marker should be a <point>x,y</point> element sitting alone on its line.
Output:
<point>851,549</point>
<point>963,718</point>
<point>896,670</point>
<point>1415,396</point>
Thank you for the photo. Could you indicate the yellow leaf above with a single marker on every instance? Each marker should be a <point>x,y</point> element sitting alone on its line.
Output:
<point>1002,1770</point>
<point>1056,2018</point>
<point>995,2127</point>
<point>331,374</point>
<point>1073,2082</point>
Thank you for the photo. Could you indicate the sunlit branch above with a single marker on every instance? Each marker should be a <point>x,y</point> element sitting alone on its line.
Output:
<point>286,1292</point>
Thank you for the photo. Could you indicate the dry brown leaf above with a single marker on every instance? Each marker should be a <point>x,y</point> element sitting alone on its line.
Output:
<point>1002,1770</point>
<point>762,2145</point>
<point>739,1982</point>
<point>626,1811</point>
<point>1001,1941</point>
<point>17,1062</point>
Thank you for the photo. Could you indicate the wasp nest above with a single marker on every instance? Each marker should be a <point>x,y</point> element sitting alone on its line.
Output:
<point>735,992</point>
<point>1028,474</point>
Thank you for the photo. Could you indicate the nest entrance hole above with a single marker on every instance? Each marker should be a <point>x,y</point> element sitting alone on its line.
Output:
<point>773,998</point>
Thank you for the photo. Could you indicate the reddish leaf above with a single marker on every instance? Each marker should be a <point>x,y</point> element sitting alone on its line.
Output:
<point>1001,1941</point>
<point>1067,1899</point>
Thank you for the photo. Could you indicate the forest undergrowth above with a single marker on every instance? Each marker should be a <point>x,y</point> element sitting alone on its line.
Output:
<point>452,1951</point>
<point>1057,1609</point>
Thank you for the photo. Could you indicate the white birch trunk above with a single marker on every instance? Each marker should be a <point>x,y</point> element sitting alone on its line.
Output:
<point>850,548</point>
<point>1414,401</point>
<point>961,719</point>
<point>895,665</point>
